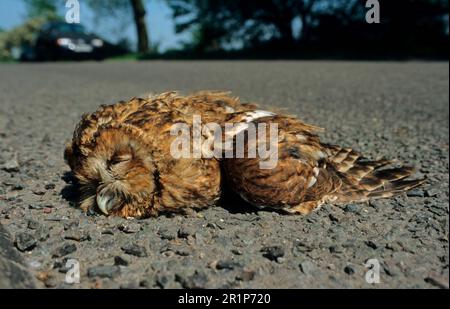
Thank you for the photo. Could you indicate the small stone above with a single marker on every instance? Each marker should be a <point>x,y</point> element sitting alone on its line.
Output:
<point>134,249</point>
<point>236,251</point>
<point>167,234</point>
<point>11,165</point>
<point>162,280</point>
<point>351,208</point>
<point>71,225</point>
<point>433,192</point>
<point>229,265</point>
<point>25,242</point>
<point>77,236</point>
<point>104,271</point>
<point>120,261</point>
<point>273,252</point>
<point>50,186</point>
<point>336,249</point>
<point>246,275</point>
<point>42,233</point>
<point>349,270</point>
<point>334,218</point>
<point>185,231</point>
<point>33,225</point>
<point>130,227</point>
<point>35,206</point>
<point>371,244</point>
<point>415,193</point>
<point>198,280</point>
<point>437,281</point>
<point>65,250</point>
<point>375,204</point>
<point>307,267</point>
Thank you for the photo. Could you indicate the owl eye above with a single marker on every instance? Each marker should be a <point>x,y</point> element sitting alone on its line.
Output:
<point>118,158</point>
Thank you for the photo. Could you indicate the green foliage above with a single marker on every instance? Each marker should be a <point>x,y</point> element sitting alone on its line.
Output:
<point>321,24</point>
<point>21,35</point>
<point>42,8</point>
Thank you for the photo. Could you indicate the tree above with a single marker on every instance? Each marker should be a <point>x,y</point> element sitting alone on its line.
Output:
<point>252,21</point>
<point>121,8</point>
<point>320,25</point>
<point>41,8</point>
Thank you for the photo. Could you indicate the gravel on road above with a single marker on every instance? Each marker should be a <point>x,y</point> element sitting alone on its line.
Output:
<point>393,109</point>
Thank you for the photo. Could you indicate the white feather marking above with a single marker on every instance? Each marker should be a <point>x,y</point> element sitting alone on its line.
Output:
<point>237,128</point>
<point>301,137</point>
<point>251,116</point>
<point>316,171</point>
<point>312,182</point>
<point>229,110</point>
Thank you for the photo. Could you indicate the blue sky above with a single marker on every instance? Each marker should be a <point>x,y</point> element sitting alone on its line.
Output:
<point>159,22</point>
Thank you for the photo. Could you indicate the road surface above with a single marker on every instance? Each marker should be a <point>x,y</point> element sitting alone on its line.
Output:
<point>393,109</point>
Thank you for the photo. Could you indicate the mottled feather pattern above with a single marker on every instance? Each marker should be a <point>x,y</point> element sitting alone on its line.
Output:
<point>120,156</point>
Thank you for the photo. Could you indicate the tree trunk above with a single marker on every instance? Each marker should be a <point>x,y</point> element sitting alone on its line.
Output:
<point>141,26</point>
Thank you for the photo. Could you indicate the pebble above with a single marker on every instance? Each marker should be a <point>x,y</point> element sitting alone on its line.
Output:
<point>197,280</point>
<point>236,251</point>
<point>65,250</point>
<point>120,261</point>
<point>308,267</point>
<point>162,280</point>
<point>104,271</point>
<point>11,166</point>
<point>77,236</point>
<point>33,225</point>
<point>186,231</point>
<point>371,244</point>
<point>437,281</point>
<point>25,242</point>
<point>433,192</point>
<point>167,234</point>
<point>415,193</point>
<point>130,227</point>
<point>226,264</point>
<point>246,275</point>
<point>273,252</point>
<point>349,270</point>
<point>336,249</point>
<point>134,249</point>
<point>351,208</point>
<point>50,186</point>
<point>334,218</point>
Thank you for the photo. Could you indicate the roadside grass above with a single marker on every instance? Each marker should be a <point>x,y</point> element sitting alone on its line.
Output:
<point>126,57</point>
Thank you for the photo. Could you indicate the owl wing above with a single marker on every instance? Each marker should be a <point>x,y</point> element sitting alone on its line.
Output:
<point>309,173</point>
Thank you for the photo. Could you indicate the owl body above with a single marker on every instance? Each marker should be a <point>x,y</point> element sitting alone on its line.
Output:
<point>122,158</point>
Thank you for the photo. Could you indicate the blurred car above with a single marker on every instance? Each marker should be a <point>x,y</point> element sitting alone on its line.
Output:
<point>59,40</point>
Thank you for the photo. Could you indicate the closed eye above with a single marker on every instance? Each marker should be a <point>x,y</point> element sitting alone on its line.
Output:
<point>120,158</point>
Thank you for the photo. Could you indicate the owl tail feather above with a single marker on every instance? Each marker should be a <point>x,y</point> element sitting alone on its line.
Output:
<point>363,180</point>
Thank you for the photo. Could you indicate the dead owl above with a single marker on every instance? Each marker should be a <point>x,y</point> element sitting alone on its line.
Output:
<point>122,158</point>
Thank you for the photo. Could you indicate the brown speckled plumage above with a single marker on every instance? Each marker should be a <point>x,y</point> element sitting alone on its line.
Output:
<point>120,155</point>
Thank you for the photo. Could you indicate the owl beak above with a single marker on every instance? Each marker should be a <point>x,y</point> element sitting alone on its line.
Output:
<point>106,201</point>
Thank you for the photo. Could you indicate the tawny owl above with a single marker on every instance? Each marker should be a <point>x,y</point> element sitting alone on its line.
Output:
<point>122,156</point>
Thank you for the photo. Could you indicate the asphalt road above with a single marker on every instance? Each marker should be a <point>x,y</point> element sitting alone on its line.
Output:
<point>394,109</point>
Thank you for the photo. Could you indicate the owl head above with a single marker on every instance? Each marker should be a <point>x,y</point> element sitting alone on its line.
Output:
<point>115,172</point>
